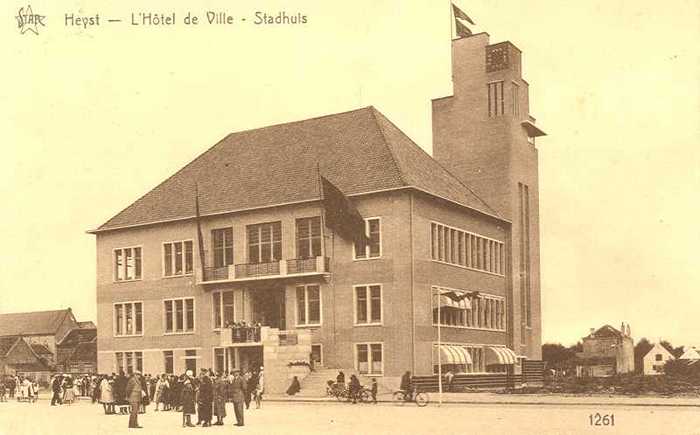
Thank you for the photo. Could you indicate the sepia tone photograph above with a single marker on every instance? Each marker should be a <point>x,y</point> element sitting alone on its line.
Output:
<point>325,217</point>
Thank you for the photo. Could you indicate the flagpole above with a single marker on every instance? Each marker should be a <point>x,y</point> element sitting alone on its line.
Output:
<point>452,60</point>
<point>439,320</point>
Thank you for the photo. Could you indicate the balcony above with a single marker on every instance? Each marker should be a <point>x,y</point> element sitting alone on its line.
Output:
<point>255,335</point>
<point>297,267</point>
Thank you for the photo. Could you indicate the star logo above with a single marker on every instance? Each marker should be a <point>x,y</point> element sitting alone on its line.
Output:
<point>29,21</point>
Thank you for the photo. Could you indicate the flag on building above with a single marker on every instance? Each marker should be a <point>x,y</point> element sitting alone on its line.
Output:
<point>462,30</point>
<point>458,13</point>
<point>200,238</point>
<point>340,213</point>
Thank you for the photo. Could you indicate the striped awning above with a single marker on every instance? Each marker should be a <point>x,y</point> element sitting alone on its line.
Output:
<point>448,302</point>
<point>452,354</point>
<point>500,355</point>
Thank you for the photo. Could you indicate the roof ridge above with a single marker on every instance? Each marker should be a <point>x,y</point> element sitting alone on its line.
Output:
<point>386,144</point>
<point>496,214</point>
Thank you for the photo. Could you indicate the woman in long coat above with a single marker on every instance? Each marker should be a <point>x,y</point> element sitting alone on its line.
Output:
<point>220,393</point>
<point>161,392</point>
<point>187,400</point>
<point>107,395</point>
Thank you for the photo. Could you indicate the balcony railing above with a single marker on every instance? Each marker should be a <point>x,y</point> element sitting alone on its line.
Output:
<point>251,270</point>
<point>274,269</point>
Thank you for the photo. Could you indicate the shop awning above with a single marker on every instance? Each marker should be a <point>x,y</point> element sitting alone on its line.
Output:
<point>451,354</point>
<point>500,355</point>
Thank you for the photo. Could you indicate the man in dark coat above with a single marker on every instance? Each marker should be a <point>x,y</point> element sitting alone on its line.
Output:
<point>56,388</point>
<point>134,395</point>
<point>205,399</point>
<point>187,400</point>
<point>238,389</point>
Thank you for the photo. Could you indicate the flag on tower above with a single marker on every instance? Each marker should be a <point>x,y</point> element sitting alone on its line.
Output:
<point>462,30</point>
<point>461,15</point>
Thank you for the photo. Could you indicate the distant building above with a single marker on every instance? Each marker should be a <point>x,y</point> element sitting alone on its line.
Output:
<point>37,343</point>
<point>655,360</point>
<point>606,352</point>
<point>690,353</point>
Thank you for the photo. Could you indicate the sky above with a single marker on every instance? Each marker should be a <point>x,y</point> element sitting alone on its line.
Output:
<point>92,118</point>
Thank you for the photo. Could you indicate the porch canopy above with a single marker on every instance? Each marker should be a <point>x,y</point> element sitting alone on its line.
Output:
<point>452,354</point>
<point>500,355</point>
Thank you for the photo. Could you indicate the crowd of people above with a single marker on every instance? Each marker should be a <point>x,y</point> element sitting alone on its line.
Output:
<point>204,396</point>
<point>22,388</point>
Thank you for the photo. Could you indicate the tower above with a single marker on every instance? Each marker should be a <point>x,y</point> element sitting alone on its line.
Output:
<point>485,136</point>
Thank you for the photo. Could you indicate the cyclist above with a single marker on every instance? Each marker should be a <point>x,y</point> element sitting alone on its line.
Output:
<point>407,386</point>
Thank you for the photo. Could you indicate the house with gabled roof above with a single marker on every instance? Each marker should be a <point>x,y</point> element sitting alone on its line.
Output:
<point>655,360</point>
<point>606,351</point>
<point>690,353</point>
<point>239,237</point>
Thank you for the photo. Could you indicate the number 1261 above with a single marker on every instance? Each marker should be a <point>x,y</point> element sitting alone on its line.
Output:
<point>598,419</point>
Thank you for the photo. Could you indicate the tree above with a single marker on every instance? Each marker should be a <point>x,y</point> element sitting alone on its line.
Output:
<point>557,355</point>
<point>642,347</point>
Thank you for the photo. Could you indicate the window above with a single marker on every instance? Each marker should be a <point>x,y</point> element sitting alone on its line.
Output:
<point>265,242</point>
<point>221,360</point>
<point>179,315</point>
<point>515,95</point>
<point>524,263</point>
<point>177,258</point>
<point>128,319</point>
<point>369,358</point>
<point>168,361</point>
<point>308,237</point>
<point>308,305</point>
<point>222,242</point>
<point>127,362</point>
<point>496,103</point>
<point>482,312</point>
<point>127,264</point>
<point>223,308</point>
<point>659,357</point>
<point>191,360</point>
<point>368,304</point>
<point>461,248</point>
<point>373,247</point>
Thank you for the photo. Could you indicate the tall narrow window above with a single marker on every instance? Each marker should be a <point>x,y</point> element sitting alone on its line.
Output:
<point>368,304</point>
<point>223,308</point>
<point>369,358</point>
<point>128,319</point>
<point>265,242</point>
<point>525,279</point>
<point>127,264</point>
<point>179,315</point>
<point>308,305</point>
<point>177,258</point>
<point>515,99</point>
<point>495,99</point>
<point>308,237</point>
<point>372,248</point>
<point>222,242</point>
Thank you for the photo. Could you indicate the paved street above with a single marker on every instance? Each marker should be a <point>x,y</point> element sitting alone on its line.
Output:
<point>325,418</point>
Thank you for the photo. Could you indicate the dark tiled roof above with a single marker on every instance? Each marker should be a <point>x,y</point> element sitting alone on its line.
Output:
<point>606,331</point>
<point>40,349</point>
<point>6,344</point>
<point>36,323</point>
<point>78,335</point>
<point>37,366</point>
<point>359,151</point>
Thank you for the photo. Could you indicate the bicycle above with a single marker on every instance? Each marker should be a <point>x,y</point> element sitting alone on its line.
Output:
<point>419,397</point>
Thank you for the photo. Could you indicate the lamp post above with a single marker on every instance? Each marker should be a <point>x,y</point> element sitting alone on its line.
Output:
<point>439,349</point>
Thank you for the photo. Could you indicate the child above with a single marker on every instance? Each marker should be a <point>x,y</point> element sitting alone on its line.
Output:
<point>374,390</point>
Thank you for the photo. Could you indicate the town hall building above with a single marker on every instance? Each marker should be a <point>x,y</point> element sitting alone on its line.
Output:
<point>451,241</point>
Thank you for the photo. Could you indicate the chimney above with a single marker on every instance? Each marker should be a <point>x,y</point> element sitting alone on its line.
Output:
<point>592,331</point>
